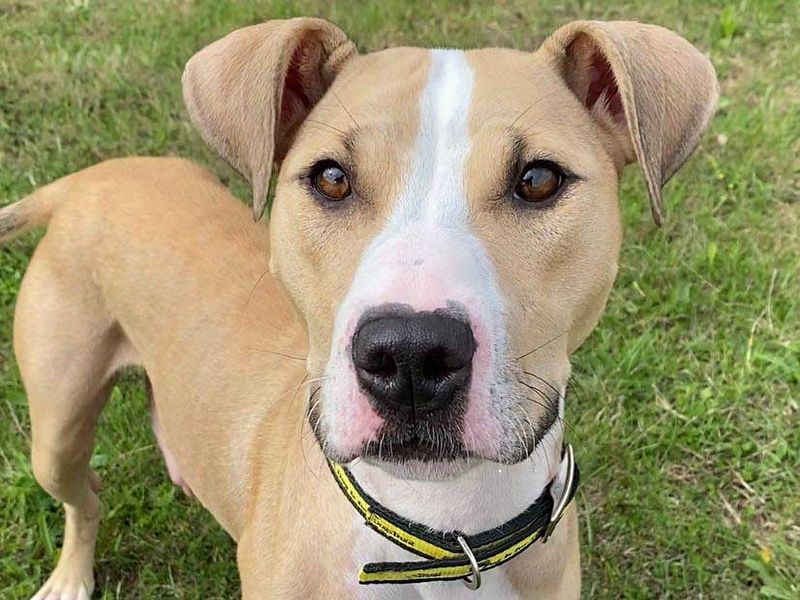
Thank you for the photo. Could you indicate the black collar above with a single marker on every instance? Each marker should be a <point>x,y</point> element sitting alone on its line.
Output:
<point>451,554</point>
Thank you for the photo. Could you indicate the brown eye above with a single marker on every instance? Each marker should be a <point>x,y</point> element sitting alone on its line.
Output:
<point>330,180</point>
<point>539,182</point>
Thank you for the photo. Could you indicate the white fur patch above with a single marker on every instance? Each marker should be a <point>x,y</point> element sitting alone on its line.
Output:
<point>484,497</point>
<point>426,257</point>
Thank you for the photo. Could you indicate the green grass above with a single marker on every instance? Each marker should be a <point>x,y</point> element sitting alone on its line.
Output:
<point>685,416</point>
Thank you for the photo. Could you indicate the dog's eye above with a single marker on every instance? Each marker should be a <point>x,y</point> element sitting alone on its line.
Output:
<point>539,182</point>
<point>330,180</point>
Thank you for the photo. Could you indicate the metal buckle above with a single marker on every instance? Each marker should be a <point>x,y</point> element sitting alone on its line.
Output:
<point>558,508</point>
<point>475,582</point>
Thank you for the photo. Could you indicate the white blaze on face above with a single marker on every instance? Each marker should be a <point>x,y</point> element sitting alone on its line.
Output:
<point>426,257</point>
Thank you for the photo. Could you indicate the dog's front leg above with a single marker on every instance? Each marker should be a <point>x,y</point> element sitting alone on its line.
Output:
<point>261,567</point>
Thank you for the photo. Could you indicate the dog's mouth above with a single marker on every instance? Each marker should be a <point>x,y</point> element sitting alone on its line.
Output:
<point>431,440</point>
<point>420,443</point>
<point>437,441</point>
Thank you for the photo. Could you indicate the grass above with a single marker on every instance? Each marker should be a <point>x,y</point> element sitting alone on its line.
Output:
<point>685,415</point>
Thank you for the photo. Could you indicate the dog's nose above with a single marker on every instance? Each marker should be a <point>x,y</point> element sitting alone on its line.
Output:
<point>413,362</point>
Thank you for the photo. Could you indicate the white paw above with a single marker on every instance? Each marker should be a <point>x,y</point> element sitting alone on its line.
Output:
<point>67,583</point>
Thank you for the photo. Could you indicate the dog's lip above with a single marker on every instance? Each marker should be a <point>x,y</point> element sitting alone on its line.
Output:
<point>401,442</point>
<point>412,445</point>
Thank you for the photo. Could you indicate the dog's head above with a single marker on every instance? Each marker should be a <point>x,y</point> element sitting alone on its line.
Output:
<point>447,221</point>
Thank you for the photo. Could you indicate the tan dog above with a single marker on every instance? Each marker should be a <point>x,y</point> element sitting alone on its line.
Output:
<point>445,233</point>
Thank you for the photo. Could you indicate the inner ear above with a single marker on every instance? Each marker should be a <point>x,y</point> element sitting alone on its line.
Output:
<point>603,88</point>
<point>295,101</point>
<point>302,89</point>
<point>590,76</point>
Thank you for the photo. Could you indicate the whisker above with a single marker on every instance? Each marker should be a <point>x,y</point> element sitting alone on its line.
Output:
<point>531,428</point>
<point>544,381</point>
<point>522,114</point>
<point>276,353</point>
<point>549,399</point>
<point>349,114</point>
<point>253,290</point>
<point>558,393</point>
<point>296,389</point>
<point>380,443</point>
<point>305,381</point>
<point>550,341</point>
<point>575,387</point>
<point>313,406</point>
<point>303,426</point>
<point>328,125</point>
<point>546,456</point>
<point>468,432</point>
<point>538,446</point>
<point>520,435</point>
<point>540,392</point>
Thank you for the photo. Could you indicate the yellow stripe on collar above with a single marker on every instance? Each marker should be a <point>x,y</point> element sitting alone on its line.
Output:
<point>415,575</point>
<point>383,526</point>
<point>431,571</point>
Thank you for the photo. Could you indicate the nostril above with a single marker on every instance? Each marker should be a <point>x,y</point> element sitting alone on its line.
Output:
<point>381,364</point>
<point>438,364</point>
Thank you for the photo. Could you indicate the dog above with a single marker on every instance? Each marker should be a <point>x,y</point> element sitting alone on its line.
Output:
<point>378,375</point>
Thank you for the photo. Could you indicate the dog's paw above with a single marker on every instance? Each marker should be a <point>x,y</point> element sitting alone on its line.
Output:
<point>67,583</point>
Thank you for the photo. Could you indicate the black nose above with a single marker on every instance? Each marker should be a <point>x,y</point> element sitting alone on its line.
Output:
<point>413,362</point>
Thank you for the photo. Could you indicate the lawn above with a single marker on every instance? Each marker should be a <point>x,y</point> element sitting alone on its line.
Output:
<point>684,411</point>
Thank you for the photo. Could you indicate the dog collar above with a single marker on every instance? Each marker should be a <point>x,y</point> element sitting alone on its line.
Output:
<point>450,554</point>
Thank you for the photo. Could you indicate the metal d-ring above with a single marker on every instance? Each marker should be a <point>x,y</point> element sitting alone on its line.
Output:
<point>475,582</point>
<point>559,507</point>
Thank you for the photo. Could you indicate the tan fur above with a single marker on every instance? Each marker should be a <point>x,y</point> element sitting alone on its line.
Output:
<point>308,240</point>
<point>152,262</point>
<point>246,69</point>
<point>669,90</point>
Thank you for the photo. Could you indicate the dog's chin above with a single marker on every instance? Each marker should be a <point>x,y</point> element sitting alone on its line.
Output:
<point>416,458</point>
<point>420,464</point>
<point>407,455</point>
<point>425,470</point>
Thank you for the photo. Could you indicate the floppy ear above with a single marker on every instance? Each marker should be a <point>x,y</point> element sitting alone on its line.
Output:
<point>650,88</point>
<point>248,92</point>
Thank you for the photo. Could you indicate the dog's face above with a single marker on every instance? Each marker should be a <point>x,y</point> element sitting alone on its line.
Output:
<point>447,222</point>
<point>448,251</point>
